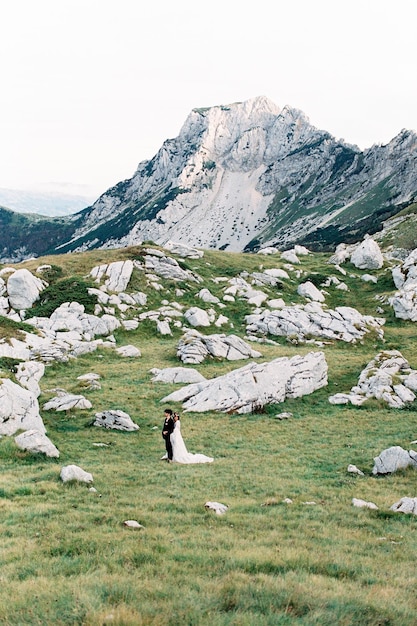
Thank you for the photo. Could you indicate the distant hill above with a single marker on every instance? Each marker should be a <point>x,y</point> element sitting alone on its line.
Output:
<point>43,203</point>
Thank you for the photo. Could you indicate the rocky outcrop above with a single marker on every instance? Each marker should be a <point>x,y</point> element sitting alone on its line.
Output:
<point>387,377</point>
<point>194,347</point>
<point>251,387</point>
<point>311,320</point>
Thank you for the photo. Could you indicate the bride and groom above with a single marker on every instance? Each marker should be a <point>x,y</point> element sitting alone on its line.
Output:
<point>175,447</point>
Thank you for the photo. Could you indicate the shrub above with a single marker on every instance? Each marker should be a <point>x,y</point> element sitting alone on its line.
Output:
<point>72,289</point>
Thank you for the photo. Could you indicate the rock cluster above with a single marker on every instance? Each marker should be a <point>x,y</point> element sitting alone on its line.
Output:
<point>387,377</point>
<point>302,322</point>
<point>194,347</point>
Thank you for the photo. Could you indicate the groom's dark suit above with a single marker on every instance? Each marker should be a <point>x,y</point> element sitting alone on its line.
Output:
<point>167,429</point>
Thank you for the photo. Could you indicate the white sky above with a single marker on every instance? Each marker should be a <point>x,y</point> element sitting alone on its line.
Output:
<point>89,88</point>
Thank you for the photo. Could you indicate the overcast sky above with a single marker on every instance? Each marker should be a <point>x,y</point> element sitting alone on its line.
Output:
<point>89,88</point>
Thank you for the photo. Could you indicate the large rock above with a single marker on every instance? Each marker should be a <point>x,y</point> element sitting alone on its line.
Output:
<point>255,385</point>
<point>67,402</point>
<point>393,459</point>
<point>23,289</point>
<point>76,473</point>
<point>34,441</point>
<point>405,505</point>
<point>19,409</point>
<point>367,256</point>
<point>117,275</point>
<point>309,290</point>
<point>115,420</point>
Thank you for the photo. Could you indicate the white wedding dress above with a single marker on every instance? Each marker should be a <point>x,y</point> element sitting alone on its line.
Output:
<point>179,451</point>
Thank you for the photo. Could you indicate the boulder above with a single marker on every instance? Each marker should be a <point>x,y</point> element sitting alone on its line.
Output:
<point>197,317</point>
<point>76,473</point>
<point>404,302</point>
<point>34,441</point>
<point>367,256</point>
<point>129,351</point>
<point>217,507</point>
<point>206,296</point>
<point>251,387</point>
<point>117,275</point>
<point>363,504</point>
<point>67,402</point>
<point>19,409</point>
<point>116,420</point>
<point>393,459</point>
<point>405,505</point>
<point>182,250</point>
<point>169,268</point>
<point>23,289</point>
<point>310,291</point>
<point>310,320</point>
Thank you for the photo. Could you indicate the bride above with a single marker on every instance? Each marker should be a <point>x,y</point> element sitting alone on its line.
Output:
<point>179,451</point>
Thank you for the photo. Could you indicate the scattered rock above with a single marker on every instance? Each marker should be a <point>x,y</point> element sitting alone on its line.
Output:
<point>193,347</point>
<point>74,472</point>
<point>116,420</point>
<point>352,469</point>
<point>363,504</point>
<point>131,523</point>
<point>129,351</point>
<point>217,507</point>
<point>367,256</point>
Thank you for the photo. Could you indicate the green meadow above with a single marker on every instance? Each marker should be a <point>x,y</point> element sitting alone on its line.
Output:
<point>66,557</point>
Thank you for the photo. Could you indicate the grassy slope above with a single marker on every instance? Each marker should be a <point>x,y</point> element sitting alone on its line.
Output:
<point>66,557</point>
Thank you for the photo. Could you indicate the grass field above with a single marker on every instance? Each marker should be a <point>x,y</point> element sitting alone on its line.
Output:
<point>66,557</point>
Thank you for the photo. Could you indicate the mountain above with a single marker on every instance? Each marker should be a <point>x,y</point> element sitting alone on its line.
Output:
<point>245,176</point>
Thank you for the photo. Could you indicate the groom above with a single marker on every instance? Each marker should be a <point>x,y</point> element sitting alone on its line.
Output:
<point>167,429</point>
